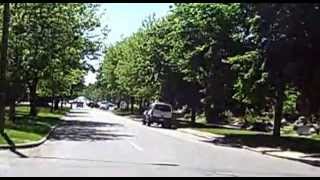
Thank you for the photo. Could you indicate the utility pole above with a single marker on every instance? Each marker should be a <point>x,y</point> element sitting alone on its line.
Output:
<point>3,63</point>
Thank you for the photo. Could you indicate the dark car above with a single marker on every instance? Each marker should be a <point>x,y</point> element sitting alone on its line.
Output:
<point>93,105</point>
<point>80,104</point>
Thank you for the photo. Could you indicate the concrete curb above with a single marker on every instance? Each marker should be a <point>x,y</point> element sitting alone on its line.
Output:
<point>311,162</point>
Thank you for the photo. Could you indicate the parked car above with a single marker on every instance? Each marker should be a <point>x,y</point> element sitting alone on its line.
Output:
<point>80,104</point>
<point>104,106</point>
<point>93,105</point>
<point>111,106</point>
<point>160,113</point>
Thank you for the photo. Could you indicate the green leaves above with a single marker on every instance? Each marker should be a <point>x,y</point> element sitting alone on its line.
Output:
<point>48,42</point>
<point>233,52</point>
<point>172,50</point>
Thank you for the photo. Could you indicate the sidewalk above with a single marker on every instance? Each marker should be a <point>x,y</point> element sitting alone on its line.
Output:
<point>312,159</point>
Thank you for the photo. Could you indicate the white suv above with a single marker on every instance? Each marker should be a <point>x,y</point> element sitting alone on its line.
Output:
<point>160,113</point>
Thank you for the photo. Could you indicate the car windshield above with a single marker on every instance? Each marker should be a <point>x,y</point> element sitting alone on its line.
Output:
<point>161,107</point>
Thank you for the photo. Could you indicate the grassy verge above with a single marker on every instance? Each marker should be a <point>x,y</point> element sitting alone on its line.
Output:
<point>227,132</point>
<point>26,129</point>
<point>121,112</point>
<point>257,139</point>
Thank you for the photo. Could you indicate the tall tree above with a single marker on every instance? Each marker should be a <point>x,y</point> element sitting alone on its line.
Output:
<point>3,63</point>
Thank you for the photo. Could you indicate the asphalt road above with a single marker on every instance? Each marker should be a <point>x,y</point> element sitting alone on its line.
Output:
<point>98,143</point>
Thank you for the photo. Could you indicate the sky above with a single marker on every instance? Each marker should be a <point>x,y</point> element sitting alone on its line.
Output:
<point>123,19</point>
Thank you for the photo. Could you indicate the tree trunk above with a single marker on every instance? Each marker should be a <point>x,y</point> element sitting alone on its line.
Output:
<point>61,105</point>
<point>12,111</point>
<point>52,98</point>
<point>33,98</point>
<point>128,104</point>
<point>3,63</point>
<point>207,113</point>
<point>132,104</point>
<point>278,109</point>
<point>52,103</point>
<point>118,104</point>
<point>2,108</point>
<point>56,104</point>
<point>193,115</point>
<point>212,115</point>
<point>140,106</point>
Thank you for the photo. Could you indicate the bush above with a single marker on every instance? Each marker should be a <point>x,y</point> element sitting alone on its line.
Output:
<point>289,105</point>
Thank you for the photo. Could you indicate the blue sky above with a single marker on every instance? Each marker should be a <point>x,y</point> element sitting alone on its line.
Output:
<point>125,18</point>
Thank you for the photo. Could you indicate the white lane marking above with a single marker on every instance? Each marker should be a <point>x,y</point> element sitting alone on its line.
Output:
<point>135,146</point>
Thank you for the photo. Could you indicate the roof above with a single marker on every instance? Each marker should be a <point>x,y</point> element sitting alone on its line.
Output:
<point>80,98</point>
<point>161,103</point>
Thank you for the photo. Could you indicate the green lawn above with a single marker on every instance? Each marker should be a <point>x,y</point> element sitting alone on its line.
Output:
<point>222,131</point>
<point>316,137</point>
<point>20,136</point>
<point>125,112</point>
<point>26,129</point>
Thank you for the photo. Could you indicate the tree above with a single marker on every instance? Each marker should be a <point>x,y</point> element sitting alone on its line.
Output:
<point>177,56</point>
<point>291,37</point>
<point>236,56</point>
<point>203,37</point>
<point>3,63</point>
<point>281,39</point>
<point>39,30</point>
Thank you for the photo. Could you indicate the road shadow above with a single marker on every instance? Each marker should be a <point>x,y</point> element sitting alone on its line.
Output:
<point>298,144</point>
<point>283,144</point>
<point>312,156</point>
<point>86,131</point>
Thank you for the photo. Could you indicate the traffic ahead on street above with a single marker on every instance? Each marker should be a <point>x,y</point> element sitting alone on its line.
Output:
<point>159,89</point>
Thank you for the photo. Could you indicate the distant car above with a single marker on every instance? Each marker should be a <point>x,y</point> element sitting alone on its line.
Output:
<point>80,104</point>
<point>104,106</point>
<point>160,113</point>
<point>93,105</point>
<point>107,106</point>
<point>111,106</point>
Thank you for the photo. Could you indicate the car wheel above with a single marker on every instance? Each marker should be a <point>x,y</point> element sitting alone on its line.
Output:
<point>166,125</point>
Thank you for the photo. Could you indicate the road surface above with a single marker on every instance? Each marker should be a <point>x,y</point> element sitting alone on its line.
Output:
<point>97,143</point>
